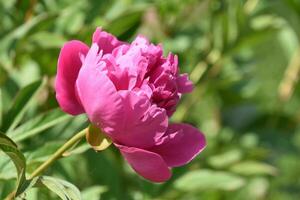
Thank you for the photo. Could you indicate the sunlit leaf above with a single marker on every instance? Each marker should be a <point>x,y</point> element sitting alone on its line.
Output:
<point>10,148</point>
<point>258,188</point>
<point>48,40</point>
<point>226,158</point>
<point>38,124</point>
<point>93,193</point>
<point>64,189</point>
<point>7,169</point>
<point>253,168</point>
<point>208,180</point>
<point>1,108</point>
<point>21,31</point>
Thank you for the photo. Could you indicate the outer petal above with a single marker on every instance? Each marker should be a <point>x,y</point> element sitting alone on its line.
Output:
<point>105,41</point>
<point>98,94</point>
<point>68,68</point>
<point>180,145</point>
<point>184,84</point>
<point>148,164</point>
<point>143,124</point>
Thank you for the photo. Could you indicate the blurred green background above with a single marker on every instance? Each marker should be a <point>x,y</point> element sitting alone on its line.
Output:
<point>242,55</point>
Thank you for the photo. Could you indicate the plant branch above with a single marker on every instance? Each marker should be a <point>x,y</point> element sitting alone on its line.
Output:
<point>58,153</point>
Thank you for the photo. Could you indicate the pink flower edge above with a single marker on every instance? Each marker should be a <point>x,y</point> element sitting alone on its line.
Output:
<point>175,149</point>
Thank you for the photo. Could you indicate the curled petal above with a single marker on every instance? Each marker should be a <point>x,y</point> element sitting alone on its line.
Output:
<point>180,145</point>
<point>148,164</point>
<point>172,63</point>
<point>107,42</point>
<point>69,64</point>
<point>184,84</point>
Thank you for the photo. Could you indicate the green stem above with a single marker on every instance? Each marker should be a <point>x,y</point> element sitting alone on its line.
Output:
<point>58,153</point>
<point>76,138</point>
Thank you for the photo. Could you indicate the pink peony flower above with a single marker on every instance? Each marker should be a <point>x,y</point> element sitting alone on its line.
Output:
<point>129,91</point>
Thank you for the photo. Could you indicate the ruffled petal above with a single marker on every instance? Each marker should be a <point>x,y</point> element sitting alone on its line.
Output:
<point>184,84</point>
<point>148,164</point>
<point>143,124</point>
<point>69,64</point>
<point>97,93</point>
<point>107,42</point>
<point>180,145</point>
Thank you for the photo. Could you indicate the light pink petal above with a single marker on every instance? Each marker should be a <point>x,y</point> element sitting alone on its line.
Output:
<point>69,64</point>
<point>148,164</point>
<point>135,65</point>
<point>143,124</point>
<point>152,52</point>
<point>145,89</point>
<point>180,145</point>
<point>98,94</point>
<point>106,41</point>
<point>172,63</point>
<point>120,50</point>
<point>184,84</point>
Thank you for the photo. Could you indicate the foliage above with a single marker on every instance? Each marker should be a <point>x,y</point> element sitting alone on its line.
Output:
<point>243,56</point>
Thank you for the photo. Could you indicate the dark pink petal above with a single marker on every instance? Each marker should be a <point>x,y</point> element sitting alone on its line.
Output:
<point>148,164</point>
<point>180,145</point>
<point>97,93</point>
<point>69,64</point>
<point>143,124</point>
<point>106,41</point>
<point>184,84</point>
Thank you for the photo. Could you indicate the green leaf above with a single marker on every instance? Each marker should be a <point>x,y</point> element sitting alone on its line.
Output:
<point>208,180</point>
<point>97,139</point>
<point>10,148</point>
<point>258,188</point>
<point>253,168</point>
<point>93,193</point>
<point>21,31</point>
<point>1,108</point>
<point>20,105</point>
<point>226,158</point>
<point>64,189</point>
<point>24,185</point>
<point>125,22</point>
<point>48,40</point>
<point>7,169</point>
<point>38,124</point>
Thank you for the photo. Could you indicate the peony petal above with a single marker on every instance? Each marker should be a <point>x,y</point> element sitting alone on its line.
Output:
<point>69,64</point>
<point>180,145</point>
<point>98,95</point>
<point>184,84</point>
<point>143,124</point>
<point>148,164</point>
<point>106,41</point>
